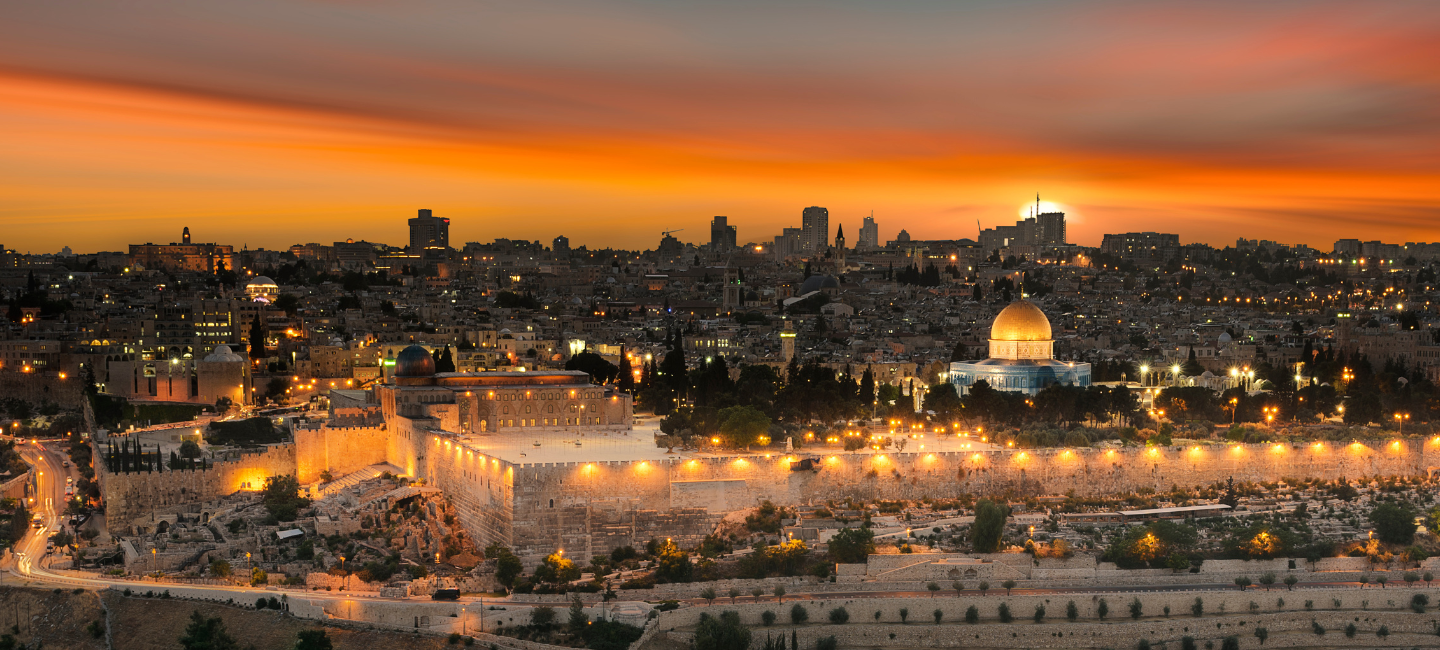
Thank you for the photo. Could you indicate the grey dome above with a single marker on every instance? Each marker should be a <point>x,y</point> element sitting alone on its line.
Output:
<point>223,354</point>
<point>414,361</point>
<point>818,282</point>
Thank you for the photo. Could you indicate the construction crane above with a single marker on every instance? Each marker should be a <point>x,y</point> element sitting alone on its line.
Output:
<point>666,233</point>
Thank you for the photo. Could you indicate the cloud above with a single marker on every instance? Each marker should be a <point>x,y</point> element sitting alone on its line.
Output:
<point>641,112</point>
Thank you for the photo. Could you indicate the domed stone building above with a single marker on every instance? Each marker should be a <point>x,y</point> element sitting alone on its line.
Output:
<point>1022,356</point>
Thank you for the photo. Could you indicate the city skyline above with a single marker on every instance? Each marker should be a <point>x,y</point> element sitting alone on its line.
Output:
<point>274,124</point>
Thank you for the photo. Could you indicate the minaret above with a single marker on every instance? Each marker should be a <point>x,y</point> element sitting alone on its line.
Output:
<point>185,236</point>
<point>840,248</point>
<point>787,342</point>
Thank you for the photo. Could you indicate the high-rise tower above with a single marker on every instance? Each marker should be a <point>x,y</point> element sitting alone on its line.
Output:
<point>429,232</point>
<point>815,224</point>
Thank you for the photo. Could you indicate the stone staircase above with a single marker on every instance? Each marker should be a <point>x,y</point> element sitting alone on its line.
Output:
<point>354,478</point>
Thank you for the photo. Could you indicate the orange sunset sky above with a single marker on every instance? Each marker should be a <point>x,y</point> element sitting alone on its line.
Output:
<point>267,123</point>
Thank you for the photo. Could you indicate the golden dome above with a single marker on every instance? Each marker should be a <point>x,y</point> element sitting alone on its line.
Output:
<point>1020,321</point>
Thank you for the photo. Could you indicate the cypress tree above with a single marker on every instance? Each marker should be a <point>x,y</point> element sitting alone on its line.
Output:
<point>257,339</point>
<point>627,373</point>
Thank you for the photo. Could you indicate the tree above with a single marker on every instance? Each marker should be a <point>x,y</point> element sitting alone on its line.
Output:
<point>1136,608</point>
<point>189,450</point>
<point>600,370</point>
<point>1004,612</point>
<point>206,634</point>
<point>839,616</point>
<point>708,594</point>
<point>1394,524</point>
<point>1039,614</point>
<point>721,633</point>
<point>958,587</point>
<point>933,587</point>
<point>1290,581</point>
<point>444,360</point>
<point>672,564</point>
<point>625,379</point>
<point>1102,610</point>
<point>281,497</point>
<point>313,640</point>
<point>1242,582</point>
<point>780,593</point>
<point>577,620</point>
<point>1267,579</point>
<point>542,617</point>
<point>798,614</point>
<point>989,526</point>
<point>851,545</point>
<point>257,338</point>
<point>939,614</point>
<point>743,425</point>
<point>983,587</point>
<point>1008,585</point>
<point>507,566</point>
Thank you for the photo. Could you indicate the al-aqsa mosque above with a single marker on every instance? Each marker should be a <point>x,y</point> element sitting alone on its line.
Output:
<point>1022,356</point>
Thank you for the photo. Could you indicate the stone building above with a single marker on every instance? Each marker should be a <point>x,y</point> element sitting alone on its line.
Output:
<point>1022,356</point>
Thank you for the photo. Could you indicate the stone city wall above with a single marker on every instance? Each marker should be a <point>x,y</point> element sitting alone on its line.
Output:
<point>39,387</point>
<point>591,508</point>
<point>129,495</point>
<point>341,450</point>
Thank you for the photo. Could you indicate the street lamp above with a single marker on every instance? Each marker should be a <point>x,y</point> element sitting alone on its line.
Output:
<point>1400,419</point>
<point>1143,370</point>
<point>1234,406</point>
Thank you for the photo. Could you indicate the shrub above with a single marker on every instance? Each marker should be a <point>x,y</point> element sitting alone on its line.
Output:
<point>767,618</point>
<point>1349,630</point>
<point>1039,614</point>
<point>96,628</point>
<point>839,616</point>
<point>1187,643</point>
<point>904,614</point>
<point>1144,644</point>
<point>798,614</point>
<point>1383,632</point>
<point>1103,609</point>
<point>1317,628</point>
<point>1230,643</point>
<point>453,639</point>
<point>1262,634</point>
<point>827,643</point>
<point>1136,608</point>
<point>984,587</point>
<point>1071,611</point>
<point>939,615</point>
<point>1418,603</point>
<point>1198,608</point>
<point>972,615</point>
<point>1005,616</point>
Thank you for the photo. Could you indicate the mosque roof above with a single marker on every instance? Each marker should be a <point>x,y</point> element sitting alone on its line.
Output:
<point>1021,321</point>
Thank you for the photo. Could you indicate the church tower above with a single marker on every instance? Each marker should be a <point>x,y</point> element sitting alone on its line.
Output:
<point>734,292</point>
<point>840,248</point>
